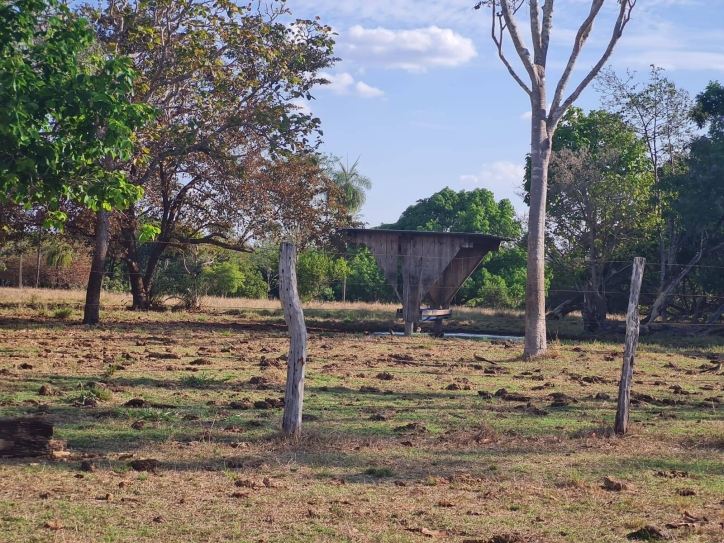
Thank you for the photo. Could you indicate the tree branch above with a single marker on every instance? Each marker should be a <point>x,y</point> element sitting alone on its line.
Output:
<point>213,239</point>
<point>584,31</point>
<point>535,32</point>
<point>624,16</point>
<point>498,40</point>
<point>520,48</point>
<point>546,30</point>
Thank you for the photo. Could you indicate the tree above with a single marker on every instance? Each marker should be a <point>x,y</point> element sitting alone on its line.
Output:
<point>698,195</point>
<point>66,114</point>
<point>465,211</point>
<point>602,211</point>
<point>365,281</point>
<point>659,112</point>
<point>709,109</point>
<point>599,208</point>
<point>266,259</point>
<point>60,116</point>
<point>544,122</point>
<point>314,272</point>
<point>230,158</point>
<point>352,184</point>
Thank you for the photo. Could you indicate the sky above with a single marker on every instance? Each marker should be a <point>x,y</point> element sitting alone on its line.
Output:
<point>421,98</point>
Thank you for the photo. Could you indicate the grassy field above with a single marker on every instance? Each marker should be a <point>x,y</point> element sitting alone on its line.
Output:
<point>337,316</point>
<point>407,439</point>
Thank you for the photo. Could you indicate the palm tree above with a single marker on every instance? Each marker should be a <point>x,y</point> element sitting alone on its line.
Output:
<point>59,255</point>
<point>353,184</point>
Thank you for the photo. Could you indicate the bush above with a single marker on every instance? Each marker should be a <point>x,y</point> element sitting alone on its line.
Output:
<point>62,312</point>
<point>494,294</point>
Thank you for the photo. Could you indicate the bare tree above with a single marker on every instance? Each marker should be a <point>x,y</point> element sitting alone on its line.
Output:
<point>544,121</point>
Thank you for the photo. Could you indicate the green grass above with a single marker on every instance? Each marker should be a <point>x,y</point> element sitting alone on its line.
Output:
<point>203,380</point>
<point>379,472</point>
<point>62,312</point>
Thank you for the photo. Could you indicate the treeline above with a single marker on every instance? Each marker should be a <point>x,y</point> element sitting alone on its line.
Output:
<point>325,272</point>
<point>644,176</point>
<point>159,148</point>
<point>156,131</point>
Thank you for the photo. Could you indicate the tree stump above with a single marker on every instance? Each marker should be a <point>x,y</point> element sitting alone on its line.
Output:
<point>26,437</point>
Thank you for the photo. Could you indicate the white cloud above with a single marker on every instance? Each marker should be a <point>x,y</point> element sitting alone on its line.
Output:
<point>344,83</point>
<point>671,44</point>
<point>366,91</point>
<point>338,83</point>
<point>672,59</point>
<point>527,116</point>
<point>503,179</point>
<point>415,50</point>
<point>410,13</point>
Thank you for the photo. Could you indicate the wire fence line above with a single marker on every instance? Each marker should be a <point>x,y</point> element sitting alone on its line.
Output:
<point>429,257</point>
<point>393,312</point>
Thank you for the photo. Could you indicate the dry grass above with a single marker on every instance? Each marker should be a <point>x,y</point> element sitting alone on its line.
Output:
<point>424,457</point>
<point>110,299</point>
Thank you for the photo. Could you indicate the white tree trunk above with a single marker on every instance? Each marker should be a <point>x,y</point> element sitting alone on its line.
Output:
<point>543,126</point>
<point>540,153</point>
<point>294,317</point>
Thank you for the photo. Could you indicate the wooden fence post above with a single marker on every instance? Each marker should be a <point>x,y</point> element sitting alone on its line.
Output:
<point>629,354</point>
<point>294,317</point>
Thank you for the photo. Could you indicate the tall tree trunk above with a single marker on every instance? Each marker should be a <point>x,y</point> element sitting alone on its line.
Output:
<point>139,293</point>
<point>159,248</point>
<point>594,303</point>
<point>20,271</point>
<point>594,310</point>
<point>37,257</point>
<point>540,153</point>
<point>141,298</point>
<point>92,310</point>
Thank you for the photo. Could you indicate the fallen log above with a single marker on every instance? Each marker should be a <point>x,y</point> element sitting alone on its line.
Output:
<point>27,437</point>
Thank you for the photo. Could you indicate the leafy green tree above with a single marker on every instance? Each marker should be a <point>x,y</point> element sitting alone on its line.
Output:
<point>235,276</point>
<point>314,273</point>
<point>224,278</point>
<point>67,117</point>
<point>599,206</point>
<point>266,259</point>
<point>659,113</point>
<point>499,282</point>
<point>464,211</point>
<point>698,200</point>
<point>61,116</point>
<point>365,281</point>
<point>230,158</point>
<point>709,109</point>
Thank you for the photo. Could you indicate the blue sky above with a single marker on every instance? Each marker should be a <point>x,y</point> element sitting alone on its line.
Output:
<point>422,98</point>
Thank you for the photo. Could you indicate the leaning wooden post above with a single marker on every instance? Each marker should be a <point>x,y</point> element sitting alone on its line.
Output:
<point>632,340</point>
<point>294,317</point>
